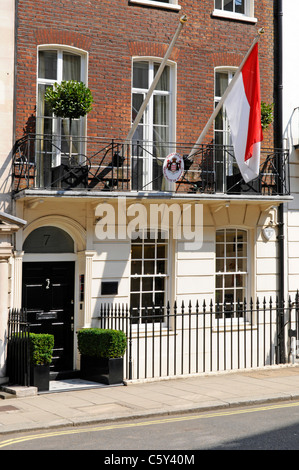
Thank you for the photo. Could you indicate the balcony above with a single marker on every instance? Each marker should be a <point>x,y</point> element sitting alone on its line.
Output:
<point>45,163</point>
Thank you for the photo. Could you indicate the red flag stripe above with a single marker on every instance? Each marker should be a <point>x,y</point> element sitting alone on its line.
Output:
<point>250,73</point>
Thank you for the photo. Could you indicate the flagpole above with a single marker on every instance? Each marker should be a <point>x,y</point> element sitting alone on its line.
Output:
<point>183,20</point>
<point>228,89</point>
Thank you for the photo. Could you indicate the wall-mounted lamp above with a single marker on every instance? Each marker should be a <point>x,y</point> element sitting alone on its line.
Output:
<point>268,232</point>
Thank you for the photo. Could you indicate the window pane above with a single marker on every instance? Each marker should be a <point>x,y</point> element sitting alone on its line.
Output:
<point>229,296</point>
<point>229,280</point>
<point>219,124</point>
<point>135,284</point>
<point>219,296</point>
<point>220,236</point>
<point>71,67</point>
<point>159,300</point>
<point>230,249</point>
<point>219,250</point>
<point>240,280</point>
<point>230,236</point>
<point>149,251</point>
<point>140,75</point>
<point>240,295</point>
<point>218,4</point>
<point>242,235</point>
<point>161,251</point>
<point>221,83</point>
<point>136,251</point>
<point>135,300</point>
<point>47,65</point>
<point>136,267</point>
<point>219,264</point>
<point>159,283</point>
<point>161,110</point>
<point>147,284</point>
<point>149,267</point>
<point>163,83</point>
<point>230,265</point>
<point>239,6</point>
<point>43,108</point>
<point>228,5</point>
<point>241,249</point>
<point>242,264</point>
<point>161,267</point>
<point>147,300</point>
<point>136,105</point>
<point>219,281</point>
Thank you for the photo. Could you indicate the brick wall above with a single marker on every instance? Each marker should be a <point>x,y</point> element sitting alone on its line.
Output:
<point>112,31</point>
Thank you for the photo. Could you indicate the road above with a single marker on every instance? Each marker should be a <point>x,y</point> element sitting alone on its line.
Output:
<point>181,437</point>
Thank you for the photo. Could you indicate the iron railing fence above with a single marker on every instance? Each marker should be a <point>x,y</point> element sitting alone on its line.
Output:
<point>18,355</point>
<point>194,339</point>
<point>100,165</point>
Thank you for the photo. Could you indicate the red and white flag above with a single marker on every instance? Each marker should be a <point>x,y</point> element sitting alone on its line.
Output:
<point>243,107</point>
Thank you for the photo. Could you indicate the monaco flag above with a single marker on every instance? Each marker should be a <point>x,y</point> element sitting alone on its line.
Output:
<point>243,107</point>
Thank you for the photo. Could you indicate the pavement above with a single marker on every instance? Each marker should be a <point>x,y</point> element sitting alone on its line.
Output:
<point>77,402</point>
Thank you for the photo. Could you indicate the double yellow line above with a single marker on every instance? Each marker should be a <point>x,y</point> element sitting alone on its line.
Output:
<point>134,424</point>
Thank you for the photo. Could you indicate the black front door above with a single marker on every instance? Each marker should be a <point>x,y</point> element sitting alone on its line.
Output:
<point>48,296</point>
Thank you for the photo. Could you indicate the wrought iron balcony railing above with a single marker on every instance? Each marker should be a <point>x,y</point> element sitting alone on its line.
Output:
<point>45,162</point>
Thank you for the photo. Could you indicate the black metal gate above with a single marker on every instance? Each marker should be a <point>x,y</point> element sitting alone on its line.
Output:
<point>18,359</point>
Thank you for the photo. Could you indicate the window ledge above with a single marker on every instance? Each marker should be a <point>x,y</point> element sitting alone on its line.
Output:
<point>233,16</point>
<point>229,326</point>
<point>152,3</point>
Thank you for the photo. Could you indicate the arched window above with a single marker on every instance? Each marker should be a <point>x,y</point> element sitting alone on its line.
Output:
<point>56,64</point>
<point>224,161</point>
<point>156,129</point>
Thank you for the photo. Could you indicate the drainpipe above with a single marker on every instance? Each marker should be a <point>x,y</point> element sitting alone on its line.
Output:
<point>278,138</point>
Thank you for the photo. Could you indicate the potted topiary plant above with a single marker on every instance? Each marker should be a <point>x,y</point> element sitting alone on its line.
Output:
<point>102,354</point>
<point>41,351</point>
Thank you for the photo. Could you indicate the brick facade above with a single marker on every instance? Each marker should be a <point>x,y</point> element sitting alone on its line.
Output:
<point>113,31</point>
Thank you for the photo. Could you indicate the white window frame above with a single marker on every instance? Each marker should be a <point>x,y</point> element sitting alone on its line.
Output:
<point>224,272</point>
<point>230,71</point>
<point>60,49</point>
<point>148,113</point>
<point>248,16</point>
<point>228,161</point>
<point>143,241</point>
<point>171,5</point>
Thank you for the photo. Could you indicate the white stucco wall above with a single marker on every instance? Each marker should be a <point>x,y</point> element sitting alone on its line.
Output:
<point>291,136</point>
<point>6,96</point>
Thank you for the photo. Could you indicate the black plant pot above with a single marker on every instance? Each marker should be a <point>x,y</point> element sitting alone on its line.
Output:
<point>103,370</point>
<point>40,377</point>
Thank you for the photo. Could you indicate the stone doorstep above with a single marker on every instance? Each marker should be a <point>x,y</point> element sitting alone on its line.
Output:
<point>17,391</point>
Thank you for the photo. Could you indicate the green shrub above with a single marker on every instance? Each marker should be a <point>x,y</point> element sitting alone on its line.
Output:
<point>41,348</point>
<point>102,343</point>
<point>266,114</point>
<point>69,99</point>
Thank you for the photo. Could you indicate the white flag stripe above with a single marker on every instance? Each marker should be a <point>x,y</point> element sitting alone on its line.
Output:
<point>238,110</point>
<point>243,111</point>
<point>236,115</point>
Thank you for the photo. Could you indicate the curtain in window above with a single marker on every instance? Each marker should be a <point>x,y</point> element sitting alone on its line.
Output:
<point>71,67</point>
<point>70,71</point>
